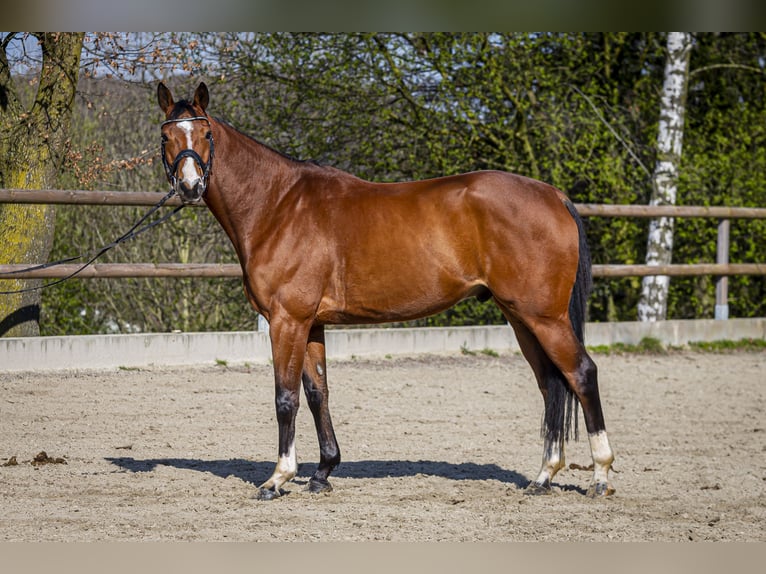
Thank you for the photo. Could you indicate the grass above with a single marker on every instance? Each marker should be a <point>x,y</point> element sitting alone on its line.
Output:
<point>647,346</point>
<point>652,346</point>
<point>485,351</point>
<point>724,346</point>
<point>490,352</point>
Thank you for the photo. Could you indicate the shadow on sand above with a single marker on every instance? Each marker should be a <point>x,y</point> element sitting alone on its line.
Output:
<point>255,472</point>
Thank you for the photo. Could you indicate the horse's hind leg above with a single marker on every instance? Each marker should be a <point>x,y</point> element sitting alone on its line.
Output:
<point>548,379</point>
<point>558,340</point>
<point>317,395</point>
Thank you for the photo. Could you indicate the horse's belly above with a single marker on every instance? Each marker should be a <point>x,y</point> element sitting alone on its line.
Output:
<point>379,300</point>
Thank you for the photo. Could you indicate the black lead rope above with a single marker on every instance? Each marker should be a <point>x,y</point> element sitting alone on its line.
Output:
<point>132,233</point>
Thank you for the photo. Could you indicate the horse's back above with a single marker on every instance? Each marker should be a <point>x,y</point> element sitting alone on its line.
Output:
<point>468,217</point>
<point>345,196</point>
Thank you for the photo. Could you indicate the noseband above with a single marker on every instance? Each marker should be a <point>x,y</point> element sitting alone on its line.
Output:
<point>170,170</point>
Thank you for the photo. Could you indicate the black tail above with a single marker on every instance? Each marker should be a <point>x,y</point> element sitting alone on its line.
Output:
<point>561,405</point>
<point>584,281</point>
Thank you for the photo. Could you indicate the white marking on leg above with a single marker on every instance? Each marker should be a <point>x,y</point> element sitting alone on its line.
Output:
<point>602,457</point>
<point>286,469</point>
<point>553,461</point>
<point>287,466</point>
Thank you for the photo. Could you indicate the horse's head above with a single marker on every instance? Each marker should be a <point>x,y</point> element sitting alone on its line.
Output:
<point>187,142</point>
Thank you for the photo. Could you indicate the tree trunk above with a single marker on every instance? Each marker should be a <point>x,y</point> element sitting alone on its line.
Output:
<point>653,304</point>
<point>32,143</point>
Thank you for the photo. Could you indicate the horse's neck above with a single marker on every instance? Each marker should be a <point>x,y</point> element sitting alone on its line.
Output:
<point>247,181</point>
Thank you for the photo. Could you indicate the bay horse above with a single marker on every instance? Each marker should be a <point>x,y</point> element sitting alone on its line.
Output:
<point>319,246</point>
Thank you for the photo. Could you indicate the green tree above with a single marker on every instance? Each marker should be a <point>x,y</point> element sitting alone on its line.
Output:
<point>571,109</point>
<point>32,141</point>
<point>724,163</point>
<point>579,110</point>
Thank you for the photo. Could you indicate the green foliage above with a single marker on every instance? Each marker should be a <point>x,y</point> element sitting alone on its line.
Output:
<point>559,107</point>
<point>578,110</point>
<point>724,158</point>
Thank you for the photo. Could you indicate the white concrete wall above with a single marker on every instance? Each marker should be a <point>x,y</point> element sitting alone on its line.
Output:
<point>114,351</point>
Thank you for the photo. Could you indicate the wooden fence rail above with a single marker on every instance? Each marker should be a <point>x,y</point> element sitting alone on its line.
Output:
<point>721,269</point>
<point>124,270</point>
<point>147,198</point>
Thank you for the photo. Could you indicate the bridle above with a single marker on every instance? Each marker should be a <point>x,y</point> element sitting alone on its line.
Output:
<point>205,167</point>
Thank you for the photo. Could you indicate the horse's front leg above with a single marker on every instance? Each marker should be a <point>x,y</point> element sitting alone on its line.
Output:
<point>317,394</point>
<point>288,346</point>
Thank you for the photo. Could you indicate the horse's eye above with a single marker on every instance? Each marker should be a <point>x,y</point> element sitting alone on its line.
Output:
<point>164,138</point>
<point>209,135</point>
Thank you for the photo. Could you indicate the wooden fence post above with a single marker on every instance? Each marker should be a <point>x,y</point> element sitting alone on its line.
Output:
<point>722,281</point>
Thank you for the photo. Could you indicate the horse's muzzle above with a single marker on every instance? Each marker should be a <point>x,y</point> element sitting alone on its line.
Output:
<point>190,191</point>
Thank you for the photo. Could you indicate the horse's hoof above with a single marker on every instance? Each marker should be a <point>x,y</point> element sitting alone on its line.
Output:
<point>267,494</point>
<point>319,485</point>
<point>535,489</point>
<point>600,489</point>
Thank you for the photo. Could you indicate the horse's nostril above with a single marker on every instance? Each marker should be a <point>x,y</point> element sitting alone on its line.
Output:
<point>190,191</point>
<point>188,188</point>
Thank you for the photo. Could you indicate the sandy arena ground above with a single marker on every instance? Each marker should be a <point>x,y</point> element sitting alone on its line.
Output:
<point>435,448</point>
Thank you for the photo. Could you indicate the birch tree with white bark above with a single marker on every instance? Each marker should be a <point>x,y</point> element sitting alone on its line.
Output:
<point>653,303</point>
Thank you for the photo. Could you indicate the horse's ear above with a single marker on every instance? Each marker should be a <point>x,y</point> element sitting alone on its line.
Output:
<point>201,96</point>
<point>164,97</point>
